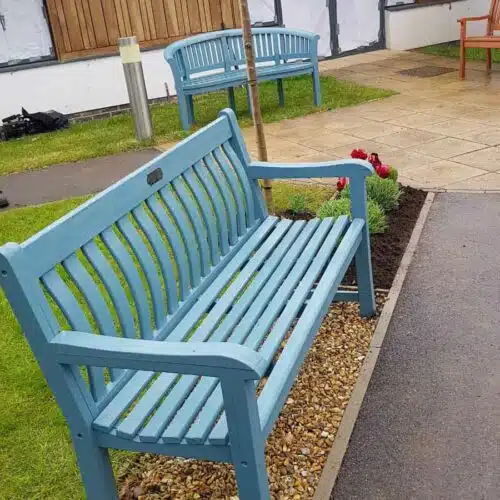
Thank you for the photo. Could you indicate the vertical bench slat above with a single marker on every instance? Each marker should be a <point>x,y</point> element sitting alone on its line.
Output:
<point>186,234</point>
<point>129,270</point>
<point>97,305</point>
<point>215,198</point>
<point>77,320</point>
<point>175,243</point>
<point>243,180</point>
<point>206,212</point>
<point>236,190</point>
<point>199,231</point>
<point>229,204</point>
<point>164,260</point>
<point>148,267</point>
<point>113,287</point>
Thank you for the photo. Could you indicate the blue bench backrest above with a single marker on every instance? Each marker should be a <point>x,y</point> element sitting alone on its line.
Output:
<point>135,257</point>
<point>225,49</point>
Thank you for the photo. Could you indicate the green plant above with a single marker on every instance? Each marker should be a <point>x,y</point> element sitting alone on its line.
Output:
<point>377,221</point>
<point>298,203</point>
<point>393,174</point>
<point>385,192</point>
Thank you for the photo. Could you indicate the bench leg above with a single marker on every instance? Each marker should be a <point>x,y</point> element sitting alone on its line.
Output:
<point>364,276</point>
<point>184,111</point>
<point>316,88</point>
<point>190,109</point>
<point>281,94</point>
<point>232,100</point>
<point>462,60</point>
<point>96,471</point>
<point>488,60</point>
<point>247,441</point>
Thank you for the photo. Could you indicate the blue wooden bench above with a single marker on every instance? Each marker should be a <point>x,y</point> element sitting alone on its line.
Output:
<point>154,308</point>
<point>213,61</point>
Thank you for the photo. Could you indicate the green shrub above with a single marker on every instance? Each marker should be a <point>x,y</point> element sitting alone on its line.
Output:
<point>385,192</point>
<point>377,221</point>
<point>393,174</point>
<point>298,203</point>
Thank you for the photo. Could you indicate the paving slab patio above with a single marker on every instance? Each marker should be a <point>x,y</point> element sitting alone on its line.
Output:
<point>440,132</point>
<point>429,424</point>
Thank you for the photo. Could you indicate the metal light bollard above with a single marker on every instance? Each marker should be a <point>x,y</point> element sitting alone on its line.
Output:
<point>136,87</point>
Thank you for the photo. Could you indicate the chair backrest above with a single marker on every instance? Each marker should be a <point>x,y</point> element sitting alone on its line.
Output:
<point>494,21</point>
<point>225,49</point>
<point>131,260</point>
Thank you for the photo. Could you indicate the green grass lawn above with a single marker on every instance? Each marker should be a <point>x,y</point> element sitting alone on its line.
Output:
<point>114,135</point>
<point>452,49</point>
<point>36,457</point>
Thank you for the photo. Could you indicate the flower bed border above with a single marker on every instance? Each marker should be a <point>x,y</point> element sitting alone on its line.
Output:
<point>335,457</point>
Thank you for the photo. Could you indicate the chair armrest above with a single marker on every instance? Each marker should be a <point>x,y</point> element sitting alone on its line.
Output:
<point>476,18</point>
<point>215,359</point>
<point>341,168</point>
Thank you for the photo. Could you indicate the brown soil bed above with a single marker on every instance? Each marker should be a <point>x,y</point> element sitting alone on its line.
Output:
<point>387,248</point>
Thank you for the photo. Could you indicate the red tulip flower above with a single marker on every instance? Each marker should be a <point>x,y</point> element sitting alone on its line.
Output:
<point>359,154</point>
<point>383,170</point>
<point>374,160</point>
<point>341,183</point>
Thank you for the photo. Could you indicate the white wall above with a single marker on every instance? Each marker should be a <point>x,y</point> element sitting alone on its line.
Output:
<point>427,25</point>
<point>79,86</point>
<point>359,23</point>
<point>309,15</point>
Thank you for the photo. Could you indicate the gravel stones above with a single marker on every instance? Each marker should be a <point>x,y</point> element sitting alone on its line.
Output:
<point>297,448</point>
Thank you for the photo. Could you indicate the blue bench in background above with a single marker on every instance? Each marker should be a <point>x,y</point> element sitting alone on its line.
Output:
<point>155,308</point>
<point>213,61</point>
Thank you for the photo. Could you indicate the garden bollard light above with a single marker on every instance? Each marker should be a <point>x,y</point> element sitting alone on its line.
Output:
<point>136,86</point>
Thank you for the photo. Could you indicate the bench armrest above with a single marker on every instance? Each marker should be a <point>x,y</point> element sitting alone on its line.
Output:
<point>476,18</point>
<point>341,168</point>
<point>215,359</point>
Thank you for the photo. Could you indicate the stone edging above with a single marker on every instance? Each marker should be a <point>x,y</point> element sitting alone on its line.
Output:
<point>339,448</point>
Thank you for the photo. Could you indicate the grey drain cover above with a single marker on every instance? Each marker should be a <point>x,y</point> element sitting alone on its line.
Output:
<point>426,71</point>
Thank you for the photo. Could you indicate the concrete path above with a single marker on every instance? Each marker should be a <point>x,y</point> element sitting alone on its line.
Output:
<point>71,179</point>
<point>429,427</point>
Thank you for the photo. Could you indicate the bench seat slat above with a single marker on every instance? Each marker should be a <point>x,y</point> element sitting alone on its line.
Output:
<point>274,392</point>
<point>292,298</point>
<point>238,76</point>
<point>131,424</point>
<point>109,416</point>
<point>283,280</point>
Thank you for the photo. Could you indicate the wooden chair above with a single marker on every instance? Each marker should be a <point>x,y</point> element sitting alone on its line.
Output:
<point>488,42</point>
